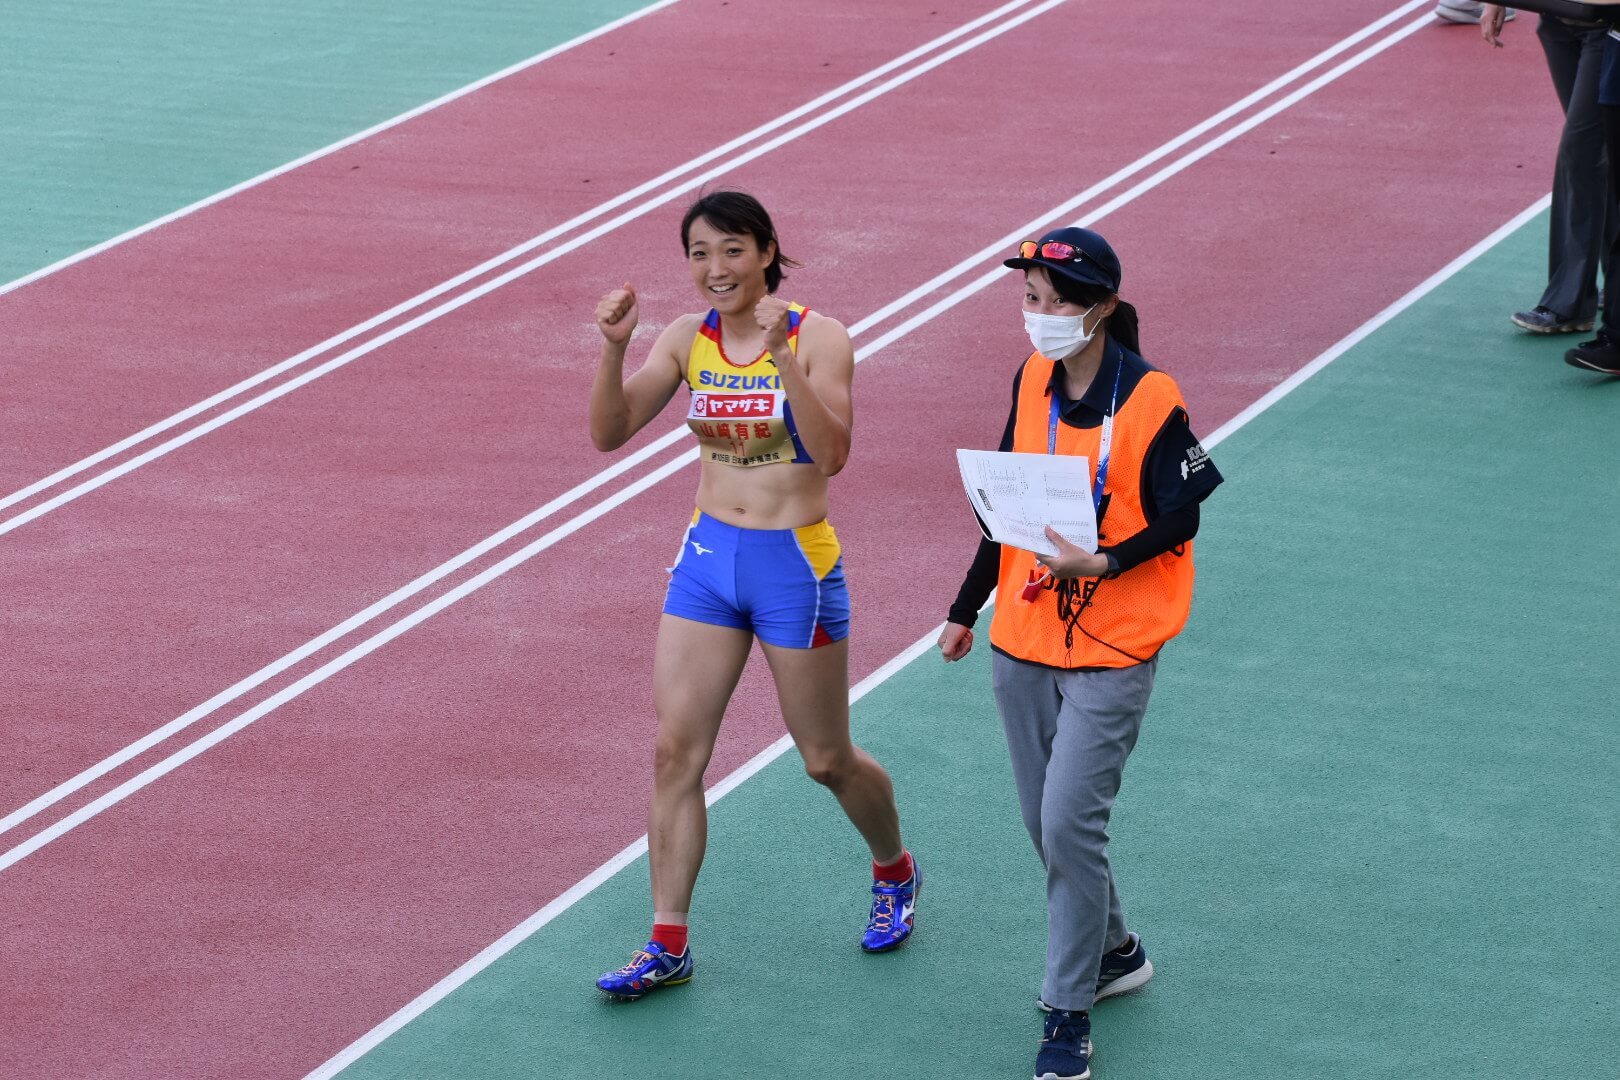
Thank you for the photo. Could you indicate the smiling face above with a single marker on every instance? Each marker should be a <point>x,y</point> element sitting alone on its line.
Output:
<point>728,270</point>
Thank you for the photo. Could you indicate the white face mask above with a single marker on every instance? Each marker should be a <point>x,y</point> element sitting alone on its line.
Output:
<point>1058,337</point>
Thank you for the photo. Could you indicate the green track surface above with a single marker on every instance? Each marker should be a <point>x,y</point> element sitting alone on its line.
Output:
<point>1370,829</point>
<point>117,112</point>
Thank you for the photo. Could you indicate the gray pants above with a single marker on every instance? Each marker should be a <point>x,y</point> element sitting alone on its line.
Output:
<point>1581,227</point>
<point>1069,733</point>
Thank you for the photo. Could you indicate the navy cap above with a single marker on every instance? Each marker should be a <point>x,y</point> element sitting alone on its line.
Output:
<point>1094,262</point>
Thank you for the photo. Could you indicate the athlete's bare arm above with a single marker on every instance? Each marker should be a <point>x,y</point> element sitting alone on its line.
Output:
<point>817,381</point>
<point>621,407</point>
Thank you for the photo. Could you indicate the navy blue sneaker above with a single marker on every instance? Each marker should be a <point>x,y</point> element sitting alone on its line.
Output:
<point>1123,970</point>
<point>894,909</point>
<point>648,970</point>
<point>1065,1047</point>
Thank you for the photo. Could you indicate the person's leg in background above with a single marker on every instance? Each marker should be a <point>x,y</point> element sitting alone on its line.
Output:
<point>1458,11</point>
<point>1581,226</point>
<point>1602,354</point>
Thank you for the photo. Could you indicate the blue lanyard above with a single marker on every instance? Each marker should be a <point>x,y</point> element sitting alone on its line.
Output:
<point>1104,444</point>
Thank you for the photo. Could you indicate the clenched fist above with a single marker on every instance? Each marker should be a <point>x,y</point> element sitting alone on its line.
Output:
<point>617,314</point>
<point>955,641</point>
<point>772,316</point>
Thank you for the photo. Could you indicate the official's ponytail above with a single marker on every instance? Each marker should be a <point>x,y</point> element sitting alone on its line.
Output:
<point>1122,327</point>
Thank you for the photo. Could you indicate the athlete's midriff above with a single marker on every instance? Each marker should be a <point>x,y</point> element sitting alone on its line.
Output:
<point>788,497</point>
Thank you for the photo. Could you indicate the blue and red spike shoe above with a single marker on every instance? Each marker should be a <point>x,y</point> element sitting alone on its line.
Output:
<point>894,909</point>
<point>648,970</point>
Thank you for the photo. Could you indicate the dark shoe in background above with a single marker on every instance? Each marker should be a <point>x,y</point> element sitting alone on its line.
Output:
<point>1543,320</point>
<point>1601,354</point>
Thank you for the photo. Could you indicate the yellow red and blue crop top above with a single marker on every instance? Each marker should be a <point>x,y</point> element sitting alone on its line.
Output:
<point>739,412</point>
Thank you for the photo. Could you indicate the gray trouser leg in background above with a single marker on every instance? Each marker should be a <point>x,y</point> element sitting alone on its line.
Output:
<point>1580,228</point>
<point>1069,733</point>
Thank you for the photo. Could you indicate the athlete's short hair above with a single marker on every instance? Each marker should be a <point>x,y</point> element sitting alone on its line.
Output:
<point>738,213</point>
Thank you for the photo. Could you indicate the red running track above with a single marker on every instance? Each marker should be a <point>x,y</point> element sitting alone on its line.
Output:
<point>242,546</point>
<point>292,887</point>
<point>196,571</point>
<point>104,348</point>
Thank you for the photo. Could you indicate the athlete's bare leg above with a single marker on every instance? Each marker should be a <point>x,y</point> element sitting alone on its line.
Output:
<point>695,668</point>
<point>813,687</point>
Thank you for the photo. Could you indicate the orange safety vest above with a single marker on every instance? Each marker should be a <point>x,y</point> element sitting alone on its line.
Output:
<point>1133,615</point>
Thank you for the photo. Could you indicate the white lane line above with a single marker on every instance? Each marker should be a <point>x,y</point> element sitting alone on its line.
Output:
<point>990,277</point>
<point>332,667</point>
<point>888,310</point>
<point>493,263</point>
<point>315,645</point>
<point>62,264</point>
<point>1434,281</point>
<point>577,892</point>
<point>258,678</point>
<point>669,439</point>
<point>991,250</point>
<point>692,184</point>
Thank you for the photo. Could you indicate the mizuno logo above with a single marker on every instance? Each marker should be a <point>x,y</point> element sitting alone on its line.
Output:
<point>700,549</point>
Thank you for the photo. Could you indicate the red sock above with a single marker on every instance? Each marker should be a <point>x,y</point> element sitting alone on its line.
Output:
<point>899,870</point>
<point>671,937</point>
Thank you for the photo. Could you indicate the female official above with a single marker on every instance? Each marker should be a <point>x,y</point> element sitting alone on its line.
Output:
<point>770,405</point>
<point>1077,634</point>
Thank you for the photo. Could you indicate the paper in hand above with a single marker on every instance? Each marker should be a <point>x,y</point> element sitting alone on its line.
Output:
<point>1015,497</point>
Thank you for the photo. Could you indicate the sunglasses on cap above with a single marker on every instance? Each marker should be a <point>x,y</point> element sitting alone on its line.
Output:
<point>1056,250</point>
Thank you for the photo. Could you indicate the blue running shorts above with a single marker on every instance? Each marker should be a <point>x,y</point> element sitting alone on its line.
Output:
<point>786,586</point>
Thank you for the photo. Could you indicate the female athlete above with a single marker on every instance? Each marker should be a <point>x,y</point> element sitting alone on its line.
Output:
<point>770,404</point>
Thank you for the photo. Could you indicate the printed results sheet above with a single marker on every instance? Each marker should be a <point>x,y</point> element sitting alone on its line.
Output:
<point>1017,495</point>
